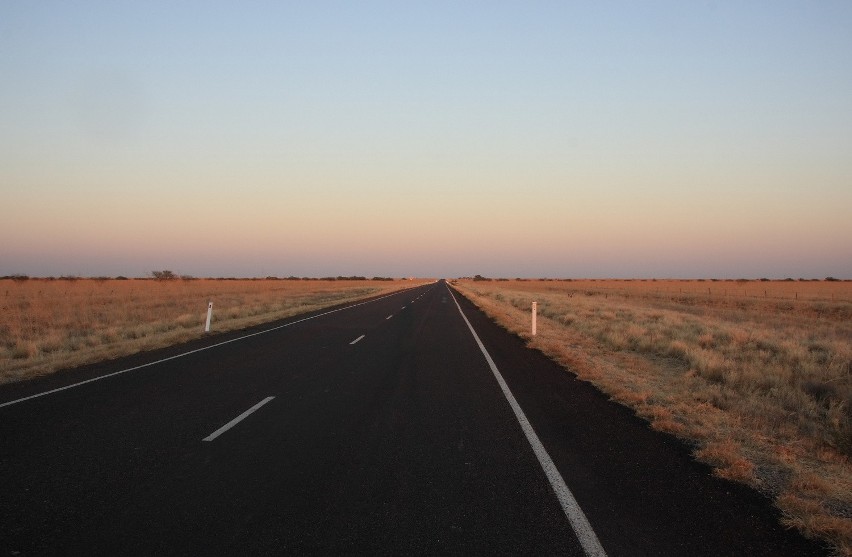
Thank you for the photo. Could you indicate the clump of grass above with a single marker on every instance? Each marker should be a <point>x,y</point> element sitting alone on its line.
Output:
<point>757,377</point>
<point>728,458</point>
<point>23,349</point>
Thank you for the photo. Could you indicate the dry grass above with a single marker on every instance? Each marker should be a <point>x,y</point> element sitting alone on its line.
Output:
<point>47,325</point>
<point>756,375</point>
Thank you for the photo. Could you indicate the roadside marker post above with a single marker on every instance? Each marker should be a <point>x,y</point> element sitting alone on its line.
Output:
<point>534,311</point>
<point>209,315</point>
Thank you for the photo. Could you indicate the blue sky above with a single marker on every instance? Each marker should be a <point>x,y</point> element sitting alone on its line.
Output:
<point>605,139</point>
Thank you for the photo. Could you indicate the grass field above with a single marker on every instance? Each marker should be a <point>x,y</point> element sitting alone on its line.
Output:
<point>756,375</point>
<point>47,325</point>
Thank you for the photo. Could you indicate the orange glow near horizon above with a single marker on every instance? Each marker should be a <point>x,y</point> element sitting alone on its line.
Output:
<point>424,147</point>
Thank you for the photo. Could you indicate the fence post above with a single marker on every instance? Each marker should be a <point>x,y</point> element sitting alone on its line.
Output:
<point>209,315</point>
<point>534,311</point>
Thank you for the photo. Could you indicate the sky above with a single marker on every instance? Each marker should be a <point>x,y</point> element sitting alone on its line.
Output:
<point>434,139</point>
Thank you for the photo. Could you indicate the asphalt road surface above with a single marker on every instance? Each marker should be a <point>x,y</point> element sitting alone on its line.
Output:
<point>380,428</point>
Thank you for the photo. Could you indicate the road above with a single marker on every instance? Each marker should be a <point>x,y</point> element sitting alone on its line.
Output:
<point>380,428</point>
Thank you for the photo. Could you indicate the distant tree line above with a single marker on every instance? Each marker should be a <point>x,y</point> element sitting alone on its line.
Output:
<point>171,275</point>
<point>166,275</point>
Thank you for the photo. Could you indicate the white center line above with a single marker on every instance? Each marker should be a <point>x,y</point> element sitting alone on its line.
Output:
<point>149,364</point>
<point>236,420</point>
<point>357,339</point>
<point>576,517</point>
<point>388,317</point>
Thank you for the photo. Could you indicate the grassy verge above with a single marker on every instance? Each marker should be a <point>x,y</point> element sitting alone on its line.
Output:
<point>47,325</point>
<point>760,385</point>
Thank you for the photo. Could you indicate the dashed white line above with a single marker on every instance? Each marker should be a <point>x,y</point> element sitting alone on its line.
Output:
<point>183,354</point>
<point>576,517</point>
<point>388,317</point>
<point>357,339</point>
<point>236,420</point>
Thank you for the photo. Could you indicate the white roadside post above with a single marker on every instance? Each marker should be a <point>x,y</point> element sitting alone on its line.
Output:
<point>534,311</point>
<point>209,315</point>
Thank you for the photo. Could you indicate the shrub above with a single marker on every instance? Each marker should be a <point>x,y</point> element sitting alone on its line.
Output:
<point>163,275</point>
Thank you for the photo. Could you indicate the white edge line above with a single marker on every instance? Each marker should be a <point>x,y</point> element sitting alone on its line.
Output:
<point>357,339</point>
<point>181,355</point>
<point>579,523</point>
<point>236,420</point>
